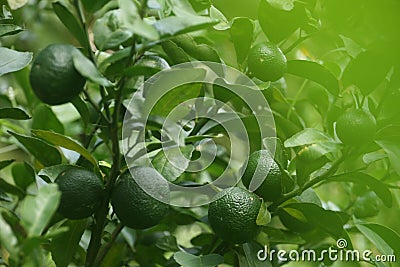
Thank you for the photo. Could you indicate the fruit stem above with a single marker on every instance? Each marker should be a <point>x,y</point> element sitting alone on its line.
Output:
<point>296,43</point>
<point>82,20</point>
<point>296,98</point>
<point>93,104</point>
<point>310,183</point>
<point>104,250</point>
<point>93,256</point>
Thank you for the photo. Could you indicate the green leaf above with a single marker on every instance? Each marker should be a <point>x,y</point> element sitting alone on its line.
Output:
<point>88,70</point>
<point>314,72</point>
<point>11,60</point>
<point>71,23</point>
<point>11,189</point>
<point>317,150</point>
<point>384,238</point>
<point>352,48</point>
<point>201,52</point>
<point>280,155</point>
<point>278,24</point>
<point>9,29</point>
<point>43,152</point>
<point>66,142</point>
<point>6,163</point>
<point>250,258</point>
<point>116,255</point>
<point>189,260</point>
<point>374,156</point>
<point>92,6</point>
<point>380,189</point>
<point>36,211</point>
<point>115,57</point>
<point>45,119</point>
<point>175,53</point>
<point>8,239</point>
<point>307,137</point>
<point>50,173</point>
<point>82,109</point>
<point>108,31</point>
<point>23,174</point>
<point>5,13</point>
<point>13,113</point>
<point>64,246</point>
<point>263,217</point>
<point>172,162</point>
<point>367,70</point>
<point>217,15</point>
<point>15,4</point>
<point>327,220</point>
<point>241,33</point>
<point>309,196</point>
<point>172,26</point>
<point>134,23</point>
<point>175,97</point>
<point>279,236</point>
<point>305,166</point>
<point>168,243</point>
<point>181,8</point>
<point>200,5</point>
<point>388,138</point>
<point>286,5</point>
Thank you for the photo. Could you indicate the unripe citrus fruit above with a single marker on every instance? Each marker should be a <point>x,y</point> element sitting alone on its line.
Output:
<point>81,192</point>
<point>53,76</point>
<point>233,215</point>
<point>267,62</point>
<point>133,205</point>
<point>356,127</point>
<point>271,188</point>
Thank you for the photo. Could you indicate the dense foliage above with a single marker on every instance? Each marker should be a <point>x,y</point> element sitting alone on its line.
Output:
<point>335,143</point>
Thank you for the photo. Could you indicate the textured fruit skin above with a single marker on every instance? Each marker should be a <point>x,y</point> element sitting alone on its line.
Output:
<point>356,127</point>
<point>53,76</point>
<point>233,215</point>
<point>133,206</point>
<point>271,189</point>
<point>267,62</point>
<point>81,193</point>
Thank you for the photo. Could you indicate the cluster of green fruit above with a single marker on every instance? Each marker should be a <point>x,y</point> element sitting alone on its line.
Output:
<point>82,192</point>
<point>233,214</point>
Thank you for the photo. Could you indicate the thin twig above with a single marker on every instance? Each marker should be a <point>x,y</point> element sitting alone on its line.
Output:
<point>296,43</point>
<point>82,20</point>
<point>93,104</point>
<point>104,250</point>
<point>310,183</point>
<point>101,214</point>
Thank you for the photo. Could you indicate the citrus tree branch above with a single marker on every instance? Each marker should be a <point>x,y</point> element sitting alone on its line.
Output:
<point>104,250</point>
<point>82,20</point>
<point>93,254</point>
<point>328,173</point>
